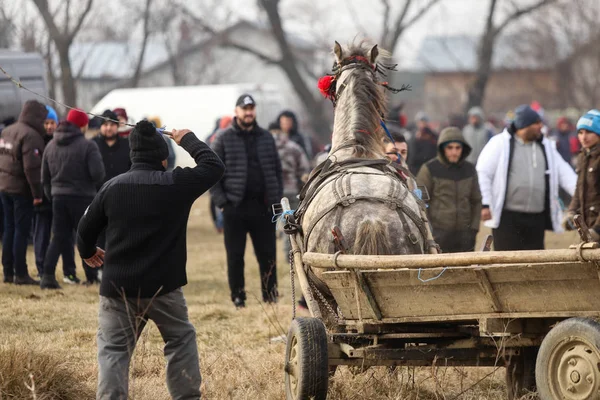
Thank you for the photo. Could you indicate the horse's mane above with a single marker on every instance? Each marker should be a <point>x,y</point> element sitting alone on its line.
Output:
<point>363,103</point>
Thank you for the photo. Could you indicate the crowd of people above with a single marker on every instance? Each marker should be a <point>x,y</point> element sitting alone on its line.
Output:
<point>521,180</point>
<point>108,191</point>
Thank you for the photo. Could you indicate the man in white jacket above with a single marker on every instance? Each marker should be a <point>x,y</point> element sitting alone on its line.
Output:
<point>519,173</point>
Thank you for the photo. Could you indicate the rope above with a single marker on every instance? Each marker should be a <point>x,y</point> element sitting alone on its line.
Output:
<point>20,85</point>
<point>281,216</point>
<point>431,279</point>
<point>389,135</point>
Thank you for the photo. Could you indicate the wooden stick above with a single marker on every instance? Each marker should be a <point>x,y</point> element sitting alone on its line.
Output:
<point>312,304</point>
<point>415,261</point>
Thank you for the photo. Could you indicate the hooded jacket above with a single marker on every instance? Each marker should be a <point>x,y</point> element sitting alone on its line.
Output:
<point>586,200</point>
<point>72,165</point>
<point>296,136</point>
<point>493,168</point>
<point>21,149</point>
<point>476,136</point>
<point>455,203</point>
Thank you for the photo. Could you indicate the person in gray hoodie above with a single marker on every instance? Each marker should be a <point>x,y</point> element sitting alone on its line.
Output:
<point>476,133</point>
<point>72,168</point>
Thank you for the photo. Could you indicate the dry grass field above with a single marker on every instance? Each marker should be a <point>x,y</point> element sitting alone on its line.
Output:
<point>48,349</point>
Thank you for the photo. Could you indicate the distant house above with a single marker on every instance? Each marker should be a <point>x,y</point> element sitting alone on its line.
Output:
<point>103,66</point>
<point>446,66</point>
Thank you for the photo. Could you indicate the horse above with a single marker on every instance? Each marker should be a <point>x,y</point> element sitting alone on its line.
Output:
<point>357,192</point>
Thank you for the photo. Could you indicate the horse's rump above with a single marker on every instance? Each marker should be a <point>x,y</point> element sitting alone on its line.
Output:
<point>374,210</point>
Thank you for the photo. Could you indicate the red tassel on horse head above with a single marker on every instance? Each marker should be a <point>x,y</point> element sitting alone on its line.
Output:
<point>324,85</point>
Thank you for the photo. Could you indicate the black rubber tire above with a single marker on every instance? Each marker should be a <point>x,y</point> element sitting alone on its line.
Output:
<point>569,353</point>
<point>520,373</point>
<point>307,346</point>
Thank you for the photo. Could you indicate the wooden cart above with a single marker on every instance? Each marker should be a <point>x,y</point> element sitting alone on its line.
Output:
<point>531,311</point>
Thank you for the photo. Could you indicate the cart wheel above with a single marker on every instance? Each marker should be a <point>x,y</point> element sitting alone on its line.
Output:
<point>306,366</point>
<point>520,373</point>
<point>569,361</point>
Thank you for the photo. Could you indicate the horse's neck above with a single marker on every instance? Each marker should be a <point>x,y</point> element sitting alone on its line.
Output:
<point>342,154</point>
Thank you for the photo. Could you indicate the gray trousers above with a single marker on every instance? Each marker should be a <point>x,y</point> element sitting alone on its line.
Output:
<point>120,324</point>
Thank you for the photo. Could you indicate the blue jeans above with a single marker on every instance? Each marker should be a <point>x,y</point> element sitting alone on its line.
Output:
<point>18,214</point>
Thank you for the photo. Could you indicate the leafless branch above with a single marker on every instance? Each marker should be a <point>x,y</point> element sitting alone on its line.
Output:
<point>420,13</point>
<point>138,69</point>
<point>224,38</point>
<point>518,13</point>
<point>354,16</point>
<point>44,9</point>
<point>67,17</point>
<point>401,25</point>
<point>399,28</point>
<point>87,10</point>
<point>385,17</point>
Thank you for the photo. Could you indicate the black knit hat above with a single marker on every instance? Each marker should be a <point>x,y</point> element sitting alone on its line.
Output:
<point>110,115</point>
<point>147,144</point>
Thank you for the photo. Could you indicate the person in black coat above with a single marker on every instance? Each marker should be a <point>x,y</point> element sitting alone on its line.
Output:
<point>252,183</point>
<point>115,156</point>
<point>145,213</point>
<point>71,169</point>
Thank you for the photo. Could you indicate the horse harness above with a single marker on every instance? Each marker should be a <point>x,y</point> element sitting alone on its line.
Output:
<point>342,172</point>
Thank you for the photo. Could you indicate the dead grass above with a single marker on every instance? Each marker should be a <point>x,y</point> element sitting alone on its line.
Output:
<point>52,336</point>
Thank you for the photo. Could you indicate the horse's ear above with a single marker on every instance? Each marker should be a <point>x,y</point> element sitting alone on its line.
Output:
<point>373,54</point>
<point>337,50</point>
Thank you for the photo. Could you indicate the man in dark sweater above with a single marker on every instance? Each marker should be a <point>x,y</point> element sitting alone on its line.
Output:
<point>145,213</point>
<point>115,155</point>
<point>71,169</point>
<point>114,149</point>
<point>252,183</point>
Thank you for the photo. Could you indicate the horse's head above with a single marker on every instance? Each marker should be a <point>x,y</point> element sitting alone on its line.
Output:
<point>359,99</point>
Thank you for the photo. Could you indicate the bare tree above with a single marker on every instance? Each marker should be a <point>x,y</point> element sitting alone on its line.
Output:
<point>146,32</point>
<point>566,38</point>
<point>395,26</point>
<point>487,43</point>
<point>7,25</point>
<point>63,38</point>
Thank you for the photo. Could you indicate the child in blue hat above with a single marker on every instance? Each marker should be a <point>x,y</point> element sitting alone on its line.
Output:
<point>586,200</point>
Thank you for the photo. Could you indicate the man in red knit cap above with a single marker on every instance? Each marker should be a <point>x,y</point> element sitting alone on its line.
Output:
<point>72,168</point>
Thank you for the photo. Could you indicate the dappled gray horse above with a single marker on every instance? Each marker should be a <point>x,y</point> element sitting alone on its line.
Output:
<point>357,189</point>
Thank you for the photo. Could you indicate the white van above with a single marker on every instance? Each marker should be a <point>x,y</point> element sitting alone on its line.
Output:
<point>192,107</point>
<point>30,69</point>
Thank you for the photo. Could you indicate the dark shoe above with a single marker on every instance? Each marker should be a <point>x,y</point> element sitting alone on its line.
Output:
<point>49,282</point>
<point>9,279</point>
<point>25,280</point>
<point>91,283</point>
<point>238,302</point>
<point>71,280</point>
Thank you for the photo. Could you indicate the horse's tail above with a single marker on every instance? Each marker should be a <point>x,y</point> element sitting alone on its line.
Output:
<point>372,238</point>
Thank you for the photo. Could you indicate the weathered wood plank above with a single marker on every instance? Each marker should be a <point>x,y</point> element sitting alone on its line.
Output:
<point>513,288</point>
<point>487,288</point>
<point>415,261</point>
<point>474,318</point>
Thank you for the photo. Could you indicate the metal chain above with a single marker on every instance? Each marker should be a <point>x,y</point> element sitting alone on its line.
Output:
<point>292,276</point>
<point>324,301</point>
